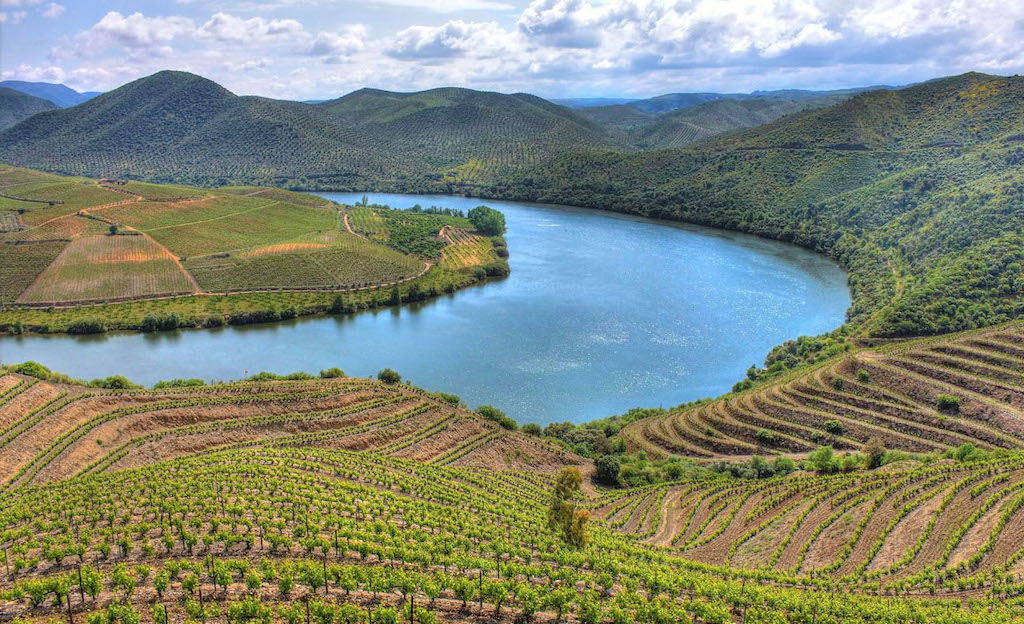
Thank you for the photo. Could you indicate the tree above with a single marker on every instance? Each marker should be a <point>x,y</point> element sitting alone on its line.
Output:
<point>563,515</point>
<point>608,468</point>
<point>487,221</point>
<point>389,376</point>
<point>823,460</point>
<point>113,229</point>
<point>875,450</point>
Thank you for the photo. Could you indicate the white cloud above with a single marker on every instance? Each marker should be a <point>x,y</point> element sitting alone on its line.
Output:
<point>450,6</point>
<point>227,28</point>
<point>136,30</point>
<point>14,4</point>
<point>454,38</point>
<point>347,41</point>
<point>52,10</point>
<point>31,73</point>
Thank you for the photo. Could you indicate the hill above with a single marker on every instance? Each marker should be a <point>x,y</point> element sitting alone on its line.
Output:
<point>175,126</point>
<point>920,396</point>
<point>683,126</point>
<point>358,499</point>
<point>914,191</point>
<point>15,106</point>
<point>61,95</point>
<point>84,245</point>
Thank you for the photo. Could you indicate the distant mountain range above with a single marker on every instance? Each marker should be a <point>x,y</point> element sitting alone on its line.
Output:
<point>179,126</point>
<point>15,106</point>
<point>59,94</point>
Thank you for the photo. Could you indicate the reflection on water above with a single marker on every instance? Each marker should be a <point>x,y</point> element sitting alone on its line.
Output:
<point>602,312</point>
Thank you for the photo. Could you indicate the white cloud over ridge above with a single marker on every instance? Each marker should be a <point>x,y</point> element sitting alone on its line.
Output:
<point>558,47</point>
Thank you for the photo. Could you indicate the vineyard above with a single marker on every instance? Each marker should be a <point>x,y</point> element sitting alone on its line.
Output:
<point>73,241</point>
<point>359,501</point>
<point>921,396</point>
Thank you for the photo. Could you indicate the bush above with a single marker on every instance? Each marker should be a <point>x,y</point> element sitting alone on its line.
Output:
<point>114,382</point>
<point>948,403</point>
<point>823,460</point>
<point>179,383</point>
<point>863,376</point>
<point>532,429</point>
<point>32,369</point>
<point>161,322</point>
<point>496,415</point>
<point>875,450</point>
<point>389,376</point>
<point>332,373</point>
<point>451,399</point>
<point>834,427</point>
<point>608,468</point>
<point>87,326</point>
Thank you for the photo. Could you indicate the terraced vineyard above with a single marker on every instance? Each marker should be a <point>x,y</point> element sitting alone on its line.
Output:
<point>356,499</point>
<point>919,396</point>
<point>946,528</point>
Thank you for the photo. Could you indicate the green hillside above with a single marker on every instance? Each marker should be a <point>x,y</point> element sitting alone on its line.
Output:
<point>917,192</point>
<point>687,125</point>
<point>15,106</point>
<point>175,126</point>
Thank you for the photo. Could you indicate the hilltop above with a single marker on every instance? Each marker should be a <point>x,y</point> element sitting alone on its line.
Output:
<point>15,106</point>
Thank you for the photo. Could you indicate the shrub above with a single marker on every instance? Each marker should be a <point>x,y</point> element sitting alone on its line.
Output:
<point>823,460</point>
<point>32,369</point>
<point>863,376</point>
<point>179,383</point>
<point>114,382</point>
<point>332,373</point>
<point>87,326</point>
<point>532,429</point>
<point>948,403</point>
<point>161,322</point>
<point>875,450</point>
<point>834,427</point>
<point>765,437</point>
<point>496,415</point>
<point>389,376</point>
<point>451,399</point>
<point>608,468</point>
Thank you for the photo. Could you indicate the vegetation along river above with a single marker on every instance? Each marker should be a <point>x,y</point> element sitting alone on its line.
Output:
<point>602,312</point>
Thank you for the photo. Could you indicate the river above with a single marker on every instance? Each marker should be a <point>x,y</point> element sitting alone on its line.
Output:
<point>602,312</point>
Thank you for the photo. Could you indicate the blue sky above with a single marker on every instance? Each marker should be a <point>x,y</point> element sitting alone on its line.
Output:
<point>304,49</point>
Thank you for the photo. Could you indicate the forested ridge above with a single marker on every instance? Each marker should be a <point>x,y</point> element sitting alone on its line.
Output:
<point>917,192</point>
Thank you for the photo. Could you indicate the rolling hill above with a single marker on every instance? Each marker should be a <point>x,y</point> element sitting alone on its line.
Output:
<point>175,126</point>
<point>59,94</point>
<point>683,126</point>
<point>15,106</point>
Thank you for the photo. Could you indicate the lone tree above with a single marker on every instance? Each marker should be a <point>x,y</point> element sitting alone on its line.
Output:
<point>487,221</point>
<point>563,515</point>
<point>389,376</point>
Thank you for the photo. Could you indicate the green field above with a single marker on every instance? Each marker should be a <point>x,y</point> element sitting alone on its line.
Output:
<point>176,241</point>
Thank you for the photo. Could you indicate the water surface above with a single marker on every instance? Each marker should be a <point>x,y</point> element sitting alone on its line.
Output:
<point>602,312</point>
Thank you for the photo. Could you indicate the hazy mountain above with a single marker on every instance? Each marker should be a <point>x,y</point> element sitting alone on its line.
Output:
<point>59,94</point>
<point>15,106</point>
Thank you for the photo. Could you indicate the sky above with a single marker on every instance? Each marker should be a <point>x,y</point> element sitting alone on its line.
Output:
<point>319,49</point>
